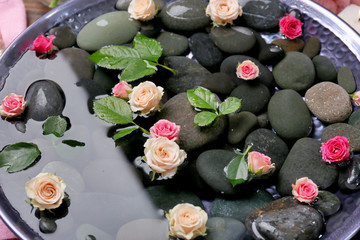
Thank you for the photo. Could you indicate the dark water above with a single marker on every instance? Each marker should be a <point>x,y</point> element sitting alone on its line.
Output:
<point>104,191</point>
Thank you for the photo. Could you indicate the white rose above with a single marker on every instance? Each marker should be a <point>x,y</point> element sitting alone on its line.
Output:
<point>142,9</point>
<point>46,191</point>
<point>163,156</point>
<point>187,221</point>
<point>145,97</point>
<point>223,11</point>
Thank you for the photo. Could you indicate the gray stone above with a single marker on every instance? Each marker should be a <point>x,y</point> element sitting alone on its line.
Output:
<point>64,37</point>
<point>189,75</point>
<point>267,142</point>
<point>240,124</point>
<point>285,219</point>
<point>342,129</point>
<point>219,83</point>
<point>345,79</point>
<point>305,160</point>
<point>185,15</point>
<point>289,45</point>
<point>210,166</point>
<point>44,98</point>
<point>233,40</point>
<point>173,44</point>
<point>179,110</point>
<point>354,118</point>
<point>312,47</point>
<point>123,5</point>
<point>324,68</point>
<point>114,28</point>
<point>329,102</point>
<point>224,229</point>
<point>240,208</point>
<point>286,110</point>
<point>204,50</point>
<point>295,71</point>
<point>327,203</point>
<point>254,96</point>
<point>263,120</point>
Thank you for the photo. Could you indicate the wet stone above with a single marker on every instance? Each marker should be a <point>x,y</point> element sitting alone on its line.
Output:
<point>329,102</point>
<point>151,28</point>
<point>64,37</point>
<point>241,207</point>
<point>271,54</point>
<point>354,118</point>
<point>327,203</point>
<point>173,44</point>
<point>234,40</point>
<point>219,83</point>
<point>47,225</point>
<point>123,5</point>
<point>285,218</point>
<point>204,50</point>
<point>289,45</point>
<point>312,47</point>
<point>296,71</point>
<point>349,177</point>
<point>346,79</point>
<point>185,15</point>
<point>263,120</point>
<point>224,229</point>
<point>324,68</point>
<point>240,124</point>
<point>263,15</point>
<point>343,129</point>
<point>305,160</point>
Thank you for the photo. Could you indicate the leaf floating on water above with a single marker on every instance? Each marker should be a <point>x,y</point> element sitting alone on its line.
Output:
<point>55,125</point>
<point>73,143</point>
<point>124,132</point>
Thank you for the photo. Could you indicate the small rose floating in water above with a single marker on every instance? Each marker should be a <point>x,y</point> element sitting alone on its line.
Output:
<point>335,150</point>
<point>259,163</point>
<point>223,12</point>
<point>165,128</point>
<point>42,44</point>
<point>12,105</point>
<point>247,70</point>
<point>305,190</point>
<point>122,90</point>
<point>290,26</point>
<point>142,10</point>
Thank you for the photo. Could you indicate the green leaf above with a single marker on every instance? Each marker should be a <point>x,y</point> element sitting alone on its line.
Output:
<point>150,49</point>
<point>73,143</point>
<point>230,105</point>
<point>55,125</point>
<point>18,156</point>
<point>237,169</point>
<point>202,98</point>
<point>113,110</point>
<point>205,118</point>
<point>137,69</point>
<point>125,131</point>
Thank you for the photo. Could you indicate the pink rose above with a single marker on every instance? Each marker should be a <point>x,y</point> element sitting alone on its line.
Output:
<point>43,44</point>
<point>165,128</point>
<point>247,70</point>
<point>223,11</point>
<point>356,98</point>
<point>259,163</point>
<point>305,190</point>
<point>335,150</point>
<point>122,90</point>
<point>12,105</point>
<point>290,26</point>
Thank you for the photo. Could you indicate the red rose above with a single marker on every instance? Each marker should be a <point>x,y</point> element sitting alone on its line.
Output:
<point>247,70</point>
<point>335,150</point>
<point>290,26</point>
<point>305,190</point>
<point>43,44</point>
<point>12,105</point>
<point>165,128</point>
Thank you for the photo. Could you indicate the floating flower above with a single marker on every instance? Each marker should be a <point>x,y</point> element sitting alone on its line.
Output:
<point>187,221</point>
<point>145,97</point>
<point>43,44</point>
<point>259,163</point>
<point>142,10</point>
<point>290,26</point>
<point>356,98</point>
<point>335,150</point>
<point>46,191</point>
<point>247,70</point>
<point>305,190</point>
<point>165,128</point>
<point>163,156</point>
<point>223,12</point>
<point>12,105</point>
<point>122,90</point>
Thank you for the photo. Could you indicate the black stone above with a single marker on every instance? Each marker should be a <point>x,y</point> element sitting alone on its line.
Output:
<point>240,124</point>
<point>219,83</point>
<point>64,37</point>
<point>349,177</point>
<point>327,203</point>
<point>312,47</point>
<point>224,229</point>
<point>346,79</point>
<point>47,225</point>
<point>325,69</point>
<point>173,44</point>
<point>271,54</point>
<point>354,118</point>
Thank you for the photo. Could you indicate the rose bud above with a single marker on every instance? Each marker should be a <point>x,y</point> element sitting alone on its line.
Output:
<point>12,105</point>
<point>290,26</point>
<point>43,44</point>
<point>247,70</point>
<point>259,163</point>
<point>305,190</point>
<point>142,10</point>
<point>356,98</point>
<point>335,150</point>
<point>223,12</point>
<point>122,90</point>
<point>165,128</point>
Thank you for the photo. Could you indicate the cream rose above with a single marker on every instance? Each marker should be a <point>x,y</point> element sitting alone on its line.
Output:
<point>145,97</point>
<point>143,10</point>
<point>187,221</point>
<point>46,191</point>
<point>223,11</point>
<point>163,156</point>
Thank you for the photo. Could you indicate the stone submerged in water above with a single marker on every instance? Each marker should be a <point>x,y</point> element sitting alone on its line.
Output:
<point>240,208</point>
<point>295,71</point>
<point>349,177</point>
<point>185,15</point>
<point>284,219</point>
<point>173,44</point>
<point>64,37</point>
<point>305,160</point>
<point>287,109</point>
<point>327,203</point>
<point>325,69</point>
<point>346,79</point>
<point>342,129</point>
<point>178,110</point>
<point>224,229</point>
<point>116,26</point>
<point>240,124</point>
